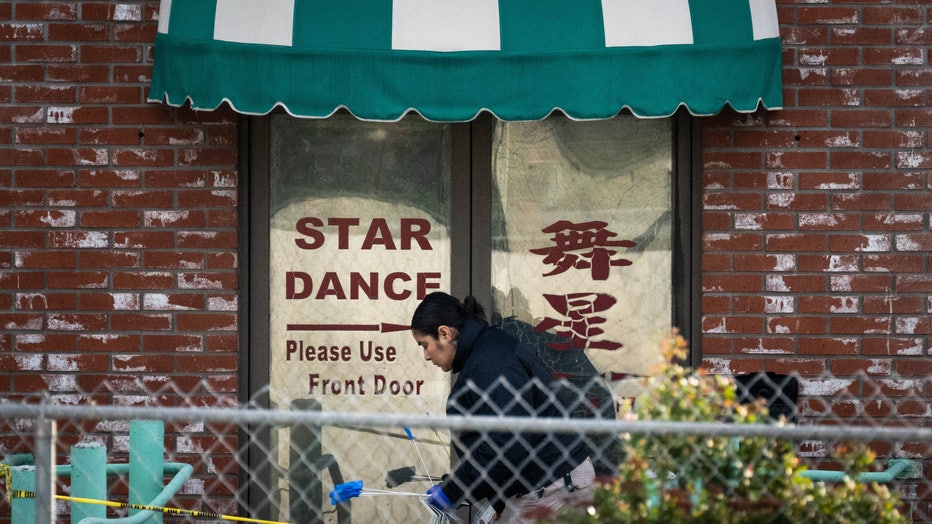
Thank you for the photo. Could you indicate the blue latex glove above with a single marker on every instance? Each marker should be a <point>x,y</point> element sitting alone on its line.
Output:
<point>438,499</point>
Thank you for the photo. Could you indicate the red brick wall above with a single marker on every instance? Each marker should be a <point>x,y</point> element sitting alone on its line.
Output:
<point>815,220</point>
<point>118,217</point>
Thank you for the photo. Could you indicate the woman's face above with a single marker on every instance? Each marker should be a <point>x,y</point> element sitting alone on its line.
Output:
<point>439,350</point>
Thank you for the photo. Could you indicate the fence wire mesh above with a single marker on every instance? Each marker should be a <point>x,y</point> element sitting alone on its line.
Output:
<point>686,440</point>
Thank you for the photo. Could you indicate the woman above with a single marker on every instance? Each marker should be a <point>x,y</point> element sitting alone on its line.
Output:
<point>520,474</point>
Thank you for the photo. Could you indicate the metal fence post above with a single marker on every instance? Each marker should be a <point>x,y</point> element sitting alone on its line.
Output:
<point>305,496</point>
<point>88,480</point>
<point>44,457</point>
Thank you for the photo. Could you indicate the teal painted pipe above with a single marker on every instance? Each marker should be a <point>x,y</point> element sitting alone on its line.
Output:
<point>23,510</point>
<point>894,469</point>
<point>88,479</point>
<point>146,464</point>
<point>182,474</point>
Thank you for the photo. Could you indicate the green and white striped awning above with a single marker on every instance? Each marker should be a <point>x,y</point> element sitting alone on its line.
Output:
<point>450,59</point>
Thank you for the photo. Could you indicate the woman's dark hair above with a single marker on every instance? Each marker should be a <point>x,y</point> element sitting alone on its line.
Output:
<point>441,309</point>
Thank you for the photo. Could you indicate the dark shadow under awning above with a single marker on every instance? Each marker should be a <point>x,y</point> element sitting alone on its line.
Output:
<point>451,59</point>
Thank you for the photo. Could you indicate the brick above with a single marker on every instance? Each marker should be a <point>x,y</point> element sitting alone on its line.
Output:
<point>143,198</point>
<point>795,283</point>
<point>731,283</point>
<point>214,198</point>
<point>890,15</point>
<point>833,96</point>
<point>764,262</point>
<point>860,243</point>
<point>207,363</point>
<point>46,301</point>
<point>111,94</point>
<point>110,53</point>
<point>894,305</point>
<point>110,302</point>
<point>829,181</point>
<point>130,74</point>
<point>765,221</point>
<point>892,56</point>
<point>22,321</point>
<point>732,242</point>
<point>140,322</point>
<point>109,343</point>
<point>175,343</point>
<point>207,280</point>
<point>77,73</point>
<point>894,97</point>
<point>715,221</point>
<point>174,260</point>
<point>143,157</point>
<point>174,219</point>
<point>920,283</point>
<point>827,346</point>
<point>860,160</point>
<point>77,156</point>
<point>149,363</point>
<point>46,135</point>
<point>46,342</point>
<point>795,242</point>
<point>828,221</point>
<point>861,201</point>
<point>77,198</point>
<point>47,218</point>
<point>828,304</point>
<point>111,136</point>
<point>895,181</point>
<point>860,325</point>
<point>144,239</point>
<point>143,280</point>
<point>77,115</point>
<point>76,322</point>
<point>109,259</point>
<point>732,324</point>
<point>859,76</point>
<point>731,201</point>
<point>77,280</point>
<point>173,301</point>
<point>228,260</point>
<point>45,259</point>
<point>860,283</point>
<point>208,239</point>
<point>797,201</point>
<point>222,219</point>
<point>21,280</point>
<point>797,324</point>
<point>46,53</point>
<point>111,178</point>
<point>21,198</point>
<point>893,263</point>
<point>842,118</point>
<point>110,218</point>
<point>77,32</point>
<point>786,366</point>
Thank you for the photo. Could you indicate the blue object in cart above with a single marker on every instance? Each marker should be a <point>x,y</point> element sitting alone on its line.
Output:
<point>343,492</point>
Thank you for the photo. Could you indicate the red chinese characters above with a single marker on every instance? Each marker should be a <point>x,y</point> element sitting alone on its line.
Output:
<point>580,320</point>
<point>582,246</point>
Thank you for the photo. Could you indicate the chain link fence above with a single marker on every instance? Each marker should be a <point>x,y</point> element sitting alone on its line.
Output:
<point>265,461</point>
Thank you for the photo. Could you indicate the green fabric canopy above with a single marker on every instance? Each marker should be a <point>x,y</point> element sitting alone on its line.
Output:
<point>450,59</point>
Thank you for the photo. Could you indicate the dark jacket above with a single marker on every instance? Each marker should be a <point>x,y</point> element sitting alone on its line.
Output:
<point>496,379</point>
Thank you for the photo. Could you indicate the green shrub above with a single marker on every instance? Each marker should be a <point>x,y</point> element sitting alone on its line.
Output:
<point>695,478</point>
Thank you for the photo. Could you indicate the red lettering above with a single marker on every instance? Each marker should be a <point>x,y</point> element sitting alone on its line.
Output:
<point>343,229</point>
<point>423,285</point>
<point>291,292</point>
<point>415,229</point>
<point>358,283</point>
<point>330,285</point>
<point>304,226</point>
<point>390,288</point>
<point>378,234</point>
